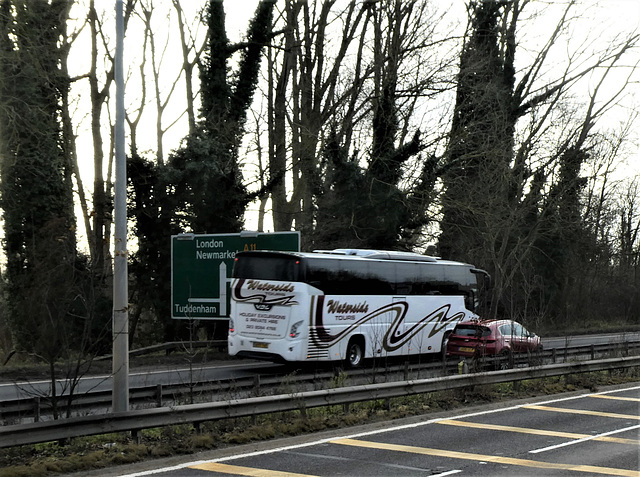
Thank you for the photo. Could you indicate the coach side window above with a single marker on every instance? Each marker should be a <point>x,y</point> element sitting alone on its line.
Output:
<point>364,277</point>
<point>323,274</point>
<point>407,279</point>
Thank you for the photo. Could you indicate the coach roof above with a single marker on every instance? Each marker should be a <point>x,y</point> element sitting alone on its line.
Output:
<point>358,254</point>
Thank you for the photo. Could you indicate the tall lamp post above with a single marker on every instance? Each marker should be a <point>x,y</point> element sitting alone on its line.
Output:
<point>120,395</point>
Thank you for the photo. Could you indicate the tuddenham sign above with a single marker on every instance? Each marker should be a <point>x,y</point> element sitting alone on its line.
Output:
<point>201,267</point>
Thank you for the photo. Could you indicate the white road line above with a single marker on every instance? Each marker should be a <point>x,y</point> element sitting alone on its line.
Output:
<point>584,439</point>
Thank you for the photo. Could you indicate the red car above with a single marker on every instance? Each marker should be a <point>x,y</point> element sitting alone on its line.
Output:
<point>499,338</point>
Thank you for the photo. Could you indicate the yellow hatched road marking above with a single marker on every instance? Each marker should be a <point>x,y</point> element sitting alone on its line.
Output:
<point>540,432</point>
<point>619,398</point>
<point>584,411</point>
<point>239,470</point>
<point>590,469</point>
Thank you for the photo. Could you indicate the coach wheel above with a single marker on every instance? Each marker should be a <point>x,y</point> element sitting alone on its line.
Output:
<point>355,353</point>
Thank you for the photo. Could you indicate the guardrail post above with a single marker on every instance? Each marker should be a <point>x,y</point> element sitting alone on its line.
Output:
<point>159,395</point>
<point>554,356</point>
<point>36,409</point>
<point>256,385</point>
<point>593,351</point>
<point>406,370</point>
<point>136,437</point>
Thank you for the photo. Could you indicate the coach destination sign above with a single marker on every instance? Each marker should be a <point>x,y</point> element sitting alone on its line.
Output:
<point>201,268</point>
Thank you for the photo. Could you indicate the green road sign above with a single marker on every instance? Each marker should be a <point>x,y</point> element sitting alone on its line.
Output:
<point>201,266</point>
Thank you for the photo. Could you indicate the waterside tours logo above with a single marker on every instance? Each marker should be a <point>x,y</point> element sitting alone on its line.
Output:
<point>335,306</point>
<point>270,287</point>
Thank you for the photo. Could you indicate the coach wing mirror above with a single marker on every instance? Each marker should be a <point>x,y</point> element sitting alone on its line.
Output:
<point>485,279</point>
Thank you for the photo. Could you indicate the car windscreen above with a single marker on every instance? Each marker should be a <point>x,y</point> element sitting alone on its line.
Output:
<point>267,267</point>
<point>471,330</point>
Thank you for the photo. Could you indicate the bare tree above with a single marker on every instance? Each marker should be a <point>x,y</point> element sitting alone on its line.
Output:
<point>304,100</point>
<point>99,244</point>
<point>163,95</point>
<point>337,71</point>
<point>517,148</point>
<point>49,298</point>
<point>189,44</point>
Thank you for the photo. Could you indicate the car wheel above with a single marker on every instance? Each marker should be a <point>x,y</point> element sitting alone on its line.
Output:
<point>505,360</point>
<point>355,353</point>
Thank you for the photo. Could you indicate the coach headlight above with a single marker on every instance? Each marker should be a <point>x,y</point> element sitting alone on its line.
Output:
<point>293,332</point>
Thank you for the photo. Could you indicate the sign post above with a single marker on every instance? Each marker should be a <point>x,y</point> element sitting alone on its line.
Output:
<point>201,267</point>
